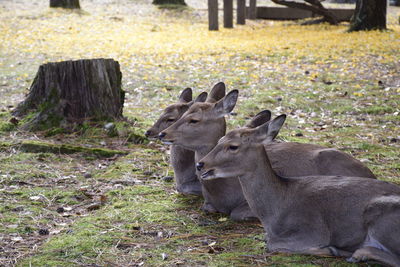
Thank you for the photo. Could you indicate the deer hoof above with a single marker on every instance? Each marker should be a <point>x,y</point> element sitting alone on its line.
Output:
<point>208,208</point>
<point>352,260</point>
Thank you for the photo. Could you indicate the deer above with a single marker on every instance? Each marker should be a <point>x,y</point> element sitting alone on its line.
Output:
<point>343,216</point>
<point>182,160</point>
<point>203,124</point>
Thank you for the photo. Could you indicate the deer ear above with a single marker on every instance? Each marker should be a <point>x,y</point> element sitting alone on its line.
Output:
<point>186,95</point>
<point>259,119</point>
<point>216,93</point>
<point>272,128</point>
<point>201,97</point>
<point>226,104</point>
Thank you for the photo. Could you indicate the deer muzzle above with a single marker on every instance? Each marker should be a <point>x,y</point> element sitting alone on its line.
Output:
<point>161,136</point>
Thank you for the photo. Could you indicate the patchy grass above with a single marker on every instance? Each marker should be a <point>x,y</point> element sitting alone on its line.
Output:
<point>340,89</point>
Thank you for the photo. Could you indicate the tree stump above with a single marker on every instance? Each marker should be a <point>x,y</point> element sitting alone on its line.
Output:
<point>73,92</point>
<point>72,4</point>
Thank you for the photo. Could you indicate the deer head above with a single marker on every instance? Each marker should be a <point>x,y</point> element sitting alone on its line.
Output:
<point>234,154</point>
<point>173,112</point>
<point>202,124</point>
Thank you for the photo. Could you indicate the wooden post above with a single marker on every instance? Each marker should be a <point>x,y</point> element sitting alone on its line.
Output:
<point>228,13</point>
<point>213,15</point>
<point>241,12</point>
<point>253,9</point>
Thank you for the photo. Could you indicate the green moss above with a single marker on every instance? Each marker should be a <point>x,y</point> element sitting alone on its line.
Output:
<point>54,131</point>
<point>7,126</point>
<point>378,110</point>
<point>40,147</point>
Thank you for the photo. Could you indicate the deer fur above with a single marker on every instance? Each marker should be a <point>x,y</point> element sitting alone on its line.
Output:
<point>318,215</point>
<point>203,124</point>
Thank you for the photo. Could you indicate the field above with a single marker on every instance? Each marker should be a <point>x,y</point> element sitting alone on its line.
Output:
<point>339,90</point>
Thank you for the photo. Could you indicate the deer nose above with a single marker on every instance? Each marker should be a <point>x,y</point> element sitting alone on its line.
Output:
<point>161,135</point>
<point>147,133</point>
<point>199,166</point>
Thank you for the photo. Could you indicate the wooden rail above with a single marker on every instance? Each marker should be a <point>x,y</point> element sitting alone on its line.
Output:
<point>287,13</point>
<point>254,12</point>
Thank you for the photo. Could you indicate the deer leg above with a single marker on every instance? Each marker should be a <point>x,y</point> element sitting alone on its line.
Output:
<point>190,188</point>
<point>319,251</point>
<point>323,251</point>
<point>208,207</point>
<point>243,213</point>
<point>375,254</point>
<point>305,244</point>
<point>338,252</point>
<point>327,251</point>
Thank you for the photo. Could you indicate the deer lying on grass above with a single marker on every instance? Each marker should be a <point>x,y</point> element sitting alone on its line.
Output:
<point>318,215</point>
<point>182,160</point>
<point>200,128</point>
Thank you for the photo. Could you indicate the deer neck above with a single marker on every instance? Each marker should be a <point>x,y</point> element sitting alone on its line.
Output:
<point>263,190</point>
<point>202,151</point>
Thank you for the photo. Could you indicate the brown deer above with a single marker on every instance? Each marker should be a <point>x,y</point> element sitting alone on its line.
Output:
<point>182,160</point>
<point>318,215</point>
<point>205,121</point>
<point>200,128</point>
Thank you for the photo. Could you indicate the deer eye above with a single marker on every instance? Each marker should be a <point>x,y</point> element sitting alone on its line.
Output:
<point>170,120</point>
<point>233,147</point>
<point>193,121</point>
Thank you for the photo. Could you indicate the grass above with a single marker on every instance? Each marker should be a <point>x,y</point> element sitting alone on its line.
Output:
<point>340,89</point>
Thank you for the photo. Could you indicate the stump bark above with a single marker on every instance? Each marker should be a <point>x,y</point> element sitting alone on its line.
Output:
<point>73,92</point>
<point>72,4</point>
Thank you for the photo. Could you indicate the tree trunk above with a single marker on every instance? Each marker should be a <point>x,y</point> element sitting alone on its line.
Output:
<point>241,12</point>
<point>73,92</point>
<point>169,2</point>
<point>253,9</point>
<point>213,15</point>
<point>369,15</point>
<point>228,13</point>
<point>65,3</point>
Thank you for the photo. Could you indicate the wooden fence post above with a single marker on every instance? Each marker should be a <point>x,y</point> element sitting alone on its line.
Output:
<point>241,12</point>
<point>213,15</point>
<point>253,9</point>
<point>228,13</point>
